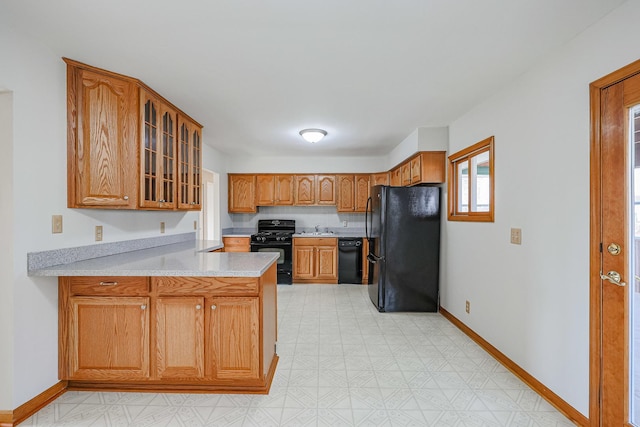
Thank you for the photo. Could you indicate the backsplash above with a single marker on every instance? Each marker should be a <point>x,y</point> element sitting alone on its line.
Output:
<point>306,217</point>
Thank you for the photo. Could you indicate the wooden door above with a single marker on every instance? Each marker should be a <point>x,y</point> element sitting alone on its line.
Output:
<point>234,327</point>
<point>158,152</point>
<point>242,193</point>
<point>102,132</point>
<point>433,165</point>
<point>416,169</point>
<point>405,174</point>
<point>396,177</point>
<point>361,193</point>
<point>189,164</point>
<point>180,337</point>
<point>380,178</point>
<point>346,192</point>
<point>265,190</point>
<point>303,262</point>
<point>326,194</point>
<point>612,100</point>
<point>284,190</point>
<point>327,262</point>
<point>108,338</point>
<point>305,188</point>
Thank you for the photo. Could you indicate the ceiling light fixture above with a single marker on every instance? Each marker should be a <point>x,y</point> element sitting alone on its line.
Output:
<point>313,135</point>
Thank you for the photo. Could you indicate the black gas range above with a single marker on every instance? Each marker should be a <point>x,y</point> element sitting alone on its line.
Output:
<point>276,235</point>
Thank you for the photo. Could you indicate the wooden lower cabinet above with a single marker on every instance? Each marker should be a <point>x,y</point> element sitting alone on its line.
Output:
<point>108,338</point>
<point>236,244</point>
<point>180,337</point>
<point>235,342</point>
<point>315,260</point>
<point>184,334</point>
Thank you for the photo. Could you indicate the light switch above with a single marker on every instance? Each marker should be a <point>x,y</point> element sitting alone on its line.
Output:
<point>56,223</point>
<point>98,233</point>
<point>516,236</point>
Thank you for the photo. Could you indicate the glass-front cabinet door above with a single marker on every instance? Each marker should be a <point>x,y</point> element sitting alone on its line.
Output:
<point>158,152</point>
<point>189,164</point>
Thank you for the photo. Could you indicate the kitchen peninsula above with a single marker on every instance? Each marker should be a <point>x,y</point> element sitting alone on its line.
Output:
<point>170,318</point>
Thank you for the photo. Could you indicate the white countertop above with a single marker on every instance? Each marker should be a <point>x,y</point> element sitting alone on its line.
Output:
<point>180,259</point>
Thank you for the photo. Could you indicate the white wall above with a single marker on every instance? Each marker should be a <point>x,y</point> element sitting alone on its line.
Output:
<point>310,164</point>
<point>532,301</point>
<point>6,249</point>
<point>37,79</point>
<point>421,139</point>
<point>217,161</point>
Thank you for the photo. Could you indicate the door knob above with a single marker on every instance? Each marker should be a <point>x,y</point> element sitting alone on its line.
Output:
<point>613,277</point>
<point>614,249</point>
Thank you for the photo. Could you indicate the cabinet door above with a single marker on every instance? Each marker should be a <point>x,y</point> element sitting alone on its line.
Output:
<point>416,170</point>
<point>284,190</point>
<point>180,337</point>
<point>433,167</point>
<point>346,192</point>
<point>380,178</point>
<point>265,190</point>
<point>158,152</point>
<point>326,194</point>
<point>405,173</point>
<point>102,132</point>
<point>305,186</point>
<point>361,193</point>
<point>234,334</point>
<point>237,244</point>
<point>189,164</point>
<point>303,262</point>
<point>327,257</point>
<point>396,177</point>
<point>242,193</point>
<point>108,338</point>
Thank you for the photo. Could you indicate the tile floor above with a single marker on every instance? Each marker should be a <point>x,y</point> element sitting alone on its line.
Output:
<point>341,364</point>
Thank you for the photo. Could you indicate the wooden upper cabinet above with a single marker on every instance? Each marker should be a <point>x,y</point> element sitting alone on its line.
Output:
<point>158,152</point>
<point>242,193</point>
<point>381,178</point>
<point>346,192</point>
<point>274,190</point>
<point>396,177</point>
<point>102,140</point>
<point>122,140</point>
<point>416,169</point>
<point>433,167</point>
<point>326,190</point>
<point>406,173</point>
<point>353,192</point>
<point>189,164</point>
<point>305,190</point>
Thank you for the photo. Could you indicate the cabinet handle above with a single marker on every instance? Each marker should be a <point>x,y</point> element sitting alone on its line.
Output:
<point>162,200</point>
<point>143,306</point>
<point>108,283</point>
<point>198,307</point>
<point>213,307</point>
<point>126,197</point>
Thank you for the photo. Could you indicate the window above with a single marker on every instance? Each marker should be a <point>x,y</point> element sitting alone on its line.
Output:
<point>470,186</point>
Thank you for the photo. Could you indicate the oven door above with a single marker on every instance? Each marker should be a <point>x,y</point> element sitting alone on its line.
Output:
<point>284,262</point>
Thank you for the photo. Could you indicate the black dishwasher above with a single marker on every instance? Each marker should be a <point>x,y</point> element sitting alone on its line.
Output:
<point>350,260</point>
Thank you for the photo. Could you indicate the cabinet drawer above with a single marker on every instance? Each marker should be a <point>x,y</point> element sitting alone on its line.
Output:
<point>237,244</point>
<point>109,285</point>
<point>315,241</point>
<point>206,285</point>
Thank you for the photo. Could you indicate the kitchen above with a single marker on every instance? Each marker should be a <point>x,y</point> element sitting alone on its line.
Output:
<point>540,315</point>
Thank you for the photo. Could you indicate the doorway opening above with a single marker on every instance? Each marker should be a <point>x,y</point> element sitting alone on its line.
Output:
<point>210,213</point>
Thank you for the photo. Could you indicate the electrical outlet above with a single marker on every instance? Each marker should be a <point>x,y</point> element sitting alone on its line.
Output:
<point>162,227</point>
<point>98,233</point>
<point>56,223</point>
<point>467,307</point>
<point>516,236</point>
<point>344,223</point>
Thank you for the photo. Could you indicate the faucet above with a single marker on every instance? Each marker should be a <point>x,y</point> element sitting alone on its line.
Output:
<point>318,228</point>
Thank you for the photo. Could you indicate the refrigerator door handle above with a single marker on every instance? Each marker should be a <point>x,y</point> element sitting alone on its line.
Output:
<point>366,219</point>
<point>373,258</point>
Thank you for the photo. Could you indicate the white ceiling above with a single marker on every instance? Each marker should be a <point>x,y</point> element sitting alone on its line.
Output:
<point>255,72</point>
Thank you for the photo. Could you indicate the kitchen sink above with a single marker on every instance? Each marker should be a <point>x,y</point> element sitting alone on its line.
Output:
<point>318,233</point>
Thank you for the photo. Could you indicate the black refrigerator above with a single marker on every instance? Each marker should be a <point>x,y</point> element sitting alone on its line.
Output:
<point>403,229</point>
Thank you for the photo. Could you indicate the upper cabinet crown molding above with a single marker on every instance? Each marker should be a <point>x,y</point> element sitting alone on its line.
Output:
<point>124,149</point>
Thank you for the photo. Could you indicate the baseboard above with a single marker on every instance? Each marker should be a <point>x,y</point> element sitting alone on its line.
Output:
<point>555,400</point>
<point>24,411</point>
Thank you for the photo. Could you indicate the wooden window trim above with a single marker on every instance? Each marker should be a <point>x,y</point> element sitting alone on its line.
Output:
<point>486,145</point>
